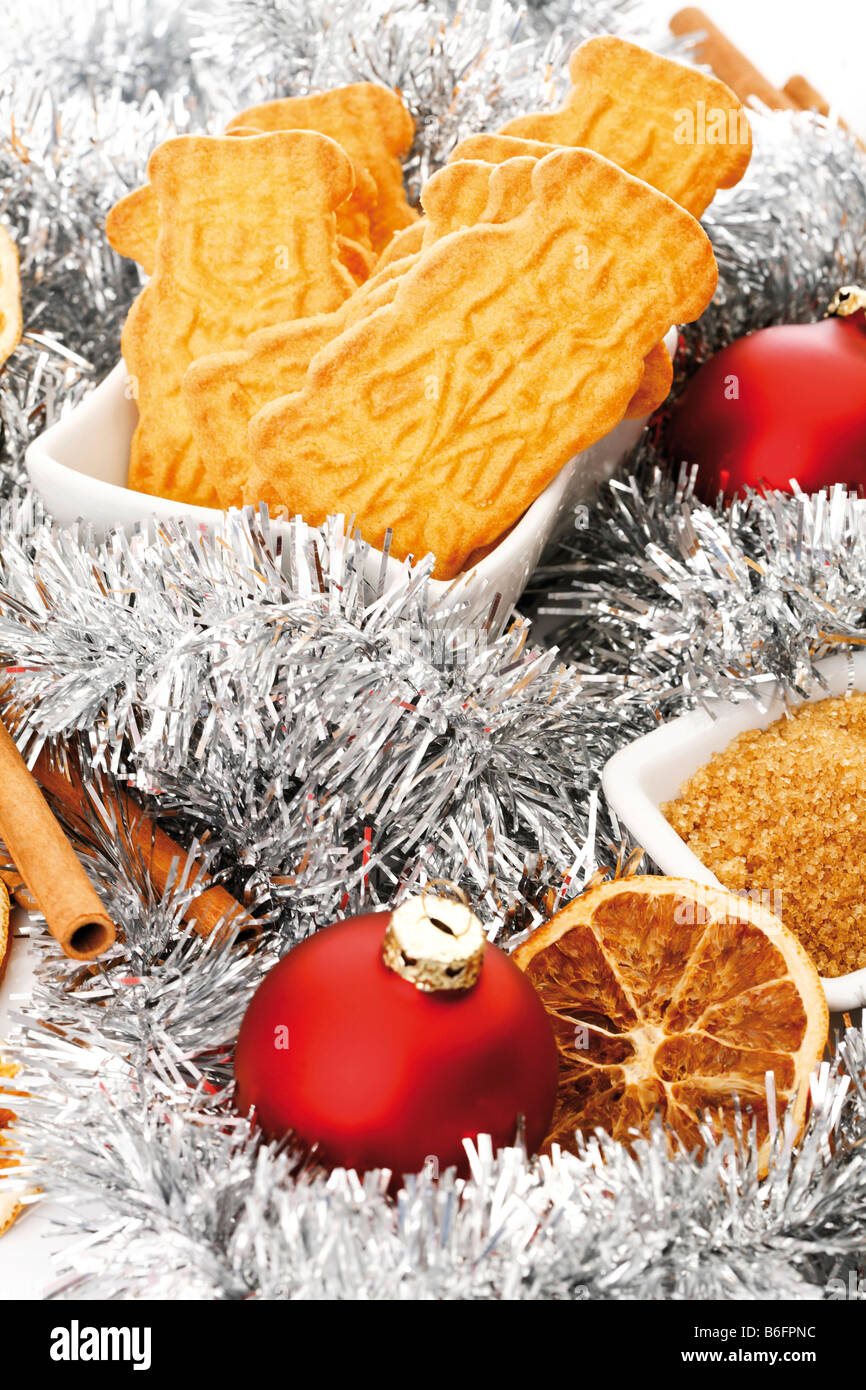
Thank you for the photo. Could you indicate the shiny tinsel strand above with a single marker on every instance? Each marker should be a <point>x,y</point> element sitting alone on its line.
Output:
<point>790,233</point>
<point>128,50</point>
<point>670,601</point>
<point>336,742</point>
<point>168,1197</point>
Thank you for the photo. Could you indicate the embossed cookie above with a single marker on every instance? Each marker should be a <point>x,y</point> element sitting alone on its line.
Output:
<point>223,391</point>
<point>132,225</point>
<point>655,384</point>
<point>495,148</point>
<point>505,199</point>
<point>10,296</point>
<point>353,216</point>
<point>509,190</point>
<point>455,196</point>
<point>489,149</point>
<point>371,123</point>
<point>506,349</point>
<point>247,238</point>
<point>682,131</point>
<point>403,243</point>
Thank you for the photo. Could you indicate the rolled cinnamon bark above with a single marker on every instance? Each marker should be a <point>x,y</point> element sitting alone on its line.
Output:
<point>804,95</point>
<point>47,862</point>
<point>727,62</point>
<point>808,98</point>
<point>159,853</point>
<point>741,75</point>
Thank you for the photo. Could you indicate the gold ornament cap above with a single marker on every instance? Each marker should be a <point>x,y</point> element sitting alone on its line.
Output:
<point>847,300</point>
<point>435,942</point>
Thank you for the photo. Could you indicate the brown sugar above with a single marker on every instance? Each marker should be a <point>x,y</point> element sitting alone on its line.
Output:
<point>783,811</point>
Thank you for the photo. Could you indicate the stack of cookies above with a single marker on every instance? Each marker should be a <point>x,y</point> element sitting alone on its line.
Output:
<point>307,340</point>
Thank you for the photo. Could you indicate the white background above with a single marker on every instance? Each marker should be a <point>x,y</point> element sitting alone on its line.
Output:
<point>826,42</point>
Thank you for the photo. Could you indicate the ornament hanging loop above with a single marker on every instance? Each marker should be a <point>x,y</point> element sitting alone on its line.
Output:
<point>435,942</point>
<point>848,299</point>
<point>437,890</point>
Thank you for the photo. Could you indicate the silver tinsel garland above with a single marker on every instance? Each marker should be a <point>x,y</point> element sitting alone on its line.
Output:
<point>673,601</point>
<point>336,744</point>
<point>377,739</point>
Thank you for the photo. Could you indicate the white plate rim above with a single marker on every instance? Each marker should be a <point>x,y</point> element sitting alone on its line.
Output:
<point>683,742</point>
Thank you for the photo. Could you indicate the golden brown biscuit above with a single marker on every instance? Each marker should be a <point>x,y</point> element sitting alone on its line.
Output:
<point>491,149</point>
<point>353,216</point>
<point>357,258</point>
<point>224,390</point>
<point>478,153</point>
<point>403,243</point>
<point>506,349</point>
<point>656,382</point>
<point>456,196</point>
<point>509,190</point>
<point>132,225</point>
<point>451,199</point>
<point>682,131</point>
<point>371,123</point>
<point>247,238</point>
<point>10,297</point>
<point>494,148</point>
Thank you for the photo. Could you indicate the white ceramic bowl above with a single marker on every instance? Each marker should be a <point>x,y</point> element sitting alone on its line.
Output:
<point>79,466</point>
<point>641,777</point>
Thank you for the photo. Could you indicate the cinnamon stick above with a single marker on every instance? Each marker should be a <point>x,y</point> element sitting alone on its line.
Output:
<point>727,62</point>
<point>47,862</point>
<point>158,852</point>
<point>808,98</point>
<point>804,95</point>
<point>741,75</point>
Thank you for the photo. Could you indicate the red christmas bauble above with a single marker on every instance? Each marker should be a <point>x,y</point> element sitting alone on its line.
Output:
<point>381,1071</point>
<point>785,402</point>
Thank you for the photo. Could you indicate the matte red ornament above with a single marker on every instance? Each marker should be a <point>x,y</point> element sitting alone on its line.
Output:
<point>387,1069</point>
<point>785,402</point>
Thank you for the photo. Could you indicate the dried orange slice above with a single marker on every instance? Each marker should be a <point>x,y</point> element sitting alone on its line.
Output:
<point>668,996</point>
<point>10,296</point>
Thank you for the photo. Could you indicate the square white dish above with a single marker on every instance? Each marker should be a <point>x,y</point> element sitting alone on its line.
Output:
<point>79,467</point>
<point>650,771</point>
